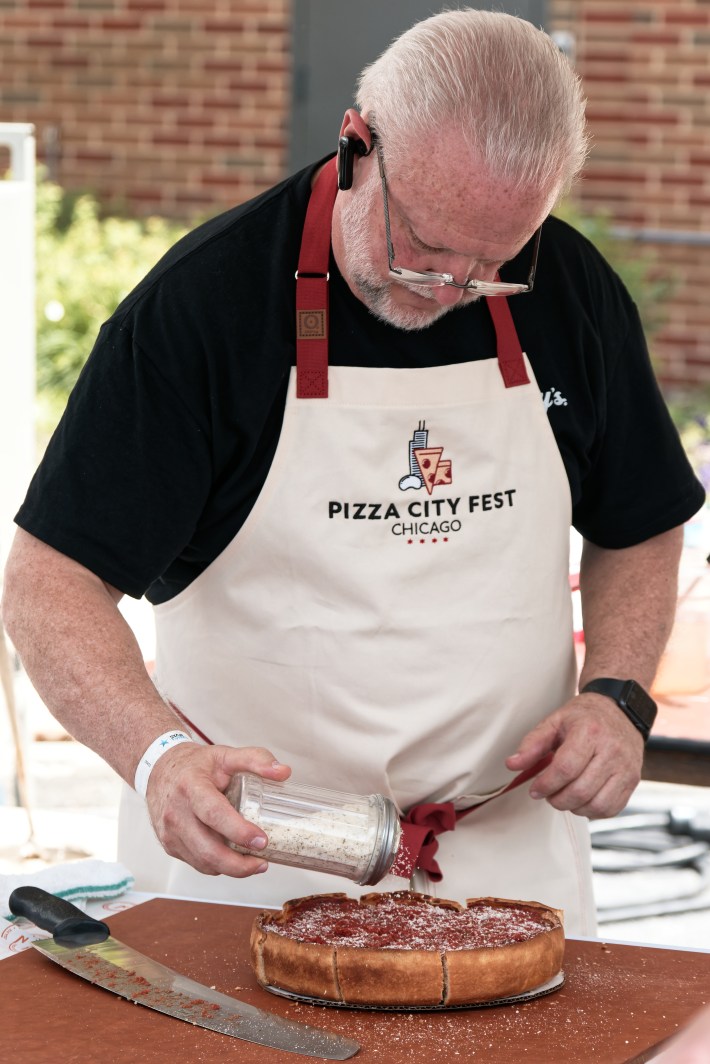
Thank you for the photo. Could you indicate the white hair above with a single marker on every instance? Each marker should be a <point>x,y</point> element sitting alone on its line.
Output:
<point>495,78</point>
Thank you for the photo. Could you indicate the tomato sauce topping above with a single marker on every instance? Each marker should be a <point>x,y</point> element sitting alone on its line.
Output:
<point>391,924</point>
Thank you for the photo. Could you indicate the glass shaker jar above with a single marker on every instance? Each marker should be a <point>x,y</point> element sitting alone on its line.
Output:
<point>350,835</point>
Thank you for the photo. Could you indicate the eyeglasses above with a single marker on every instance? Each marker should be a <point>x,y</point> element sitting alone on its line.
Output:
<point>429,279</point>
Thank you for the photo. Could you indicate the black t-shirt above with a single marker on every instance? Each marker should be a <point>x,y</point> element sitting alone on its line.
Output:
<point>169,434</point>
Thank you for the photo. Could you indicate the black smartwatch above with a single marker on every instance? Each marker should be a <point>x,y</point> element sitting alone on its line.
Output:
<point>631,699</point>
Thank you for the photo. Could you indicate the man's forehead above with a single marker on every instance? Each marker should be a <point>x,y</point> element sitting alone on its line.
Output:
<point>448,196</point>
<point>478,219</point>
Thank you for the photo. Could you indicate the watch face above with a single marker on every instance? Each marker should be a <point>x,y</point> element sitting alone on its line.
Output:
<point>631,699</point>
<point>640,703</point>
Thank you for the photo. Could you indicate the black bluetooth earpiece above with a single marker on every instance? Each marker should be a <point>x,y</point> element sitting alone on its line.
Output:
<point>348,148</point>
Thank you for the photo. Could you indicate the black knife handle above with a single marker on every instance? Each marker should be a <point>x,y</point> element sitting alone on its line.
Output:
<point>69,925</point>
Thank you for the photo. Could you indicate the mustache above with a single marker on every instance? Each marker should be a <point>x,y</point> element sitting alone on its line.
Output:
<point>418,290</point>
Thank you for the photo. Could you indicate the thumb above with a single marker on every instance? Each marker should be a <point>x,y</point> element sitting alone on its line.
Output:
<point>256,759</point>
<point>539,742</point>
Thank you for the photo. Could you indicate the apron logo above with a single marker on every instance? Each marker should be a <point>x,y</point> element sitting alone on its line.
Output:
<point>426,466</point>
<point>311,325</point>
<point>425,520</point>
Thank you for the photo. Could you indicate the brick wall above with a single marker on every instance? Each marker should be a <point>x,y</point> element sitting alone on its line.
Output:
<point>646,71</point>
<point>182,107</point>
<point>173,106</point>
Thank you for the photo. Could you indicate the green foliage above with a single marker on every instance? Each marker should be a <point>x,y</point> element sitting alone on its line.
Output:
<point>636,264</point>
<point>86,264</point>
<point>650,286</point>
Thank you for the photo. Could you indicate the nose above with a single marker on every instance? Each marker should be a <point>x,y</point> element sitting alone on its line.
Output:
<point>447,296</point>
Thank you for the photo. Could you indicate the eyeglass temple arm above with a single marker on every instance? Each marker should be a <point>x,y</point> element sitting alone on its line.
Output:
<point>533,267</point>
<point>388,234</point>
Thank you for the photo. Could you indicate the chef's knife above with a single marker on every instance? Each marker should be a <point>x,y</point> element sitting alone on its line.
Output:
<point>85,947</point>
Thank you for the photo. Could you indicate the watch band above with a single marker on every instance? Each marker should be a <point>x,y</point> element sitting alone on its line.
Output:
<point>630,697</point>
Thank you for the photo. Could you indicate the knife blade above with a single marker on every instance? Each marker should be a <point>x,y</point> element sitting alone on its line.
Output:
<point>86,948</point>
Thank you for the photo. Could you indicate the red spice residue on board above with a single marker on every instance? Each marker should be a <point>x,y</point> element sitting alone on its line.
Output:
<point>128,984</point>
<point>417,925</point>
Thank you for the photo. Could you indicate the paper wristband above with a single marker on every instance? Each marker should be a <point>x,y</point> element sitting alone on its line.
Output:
<point>155,751</point>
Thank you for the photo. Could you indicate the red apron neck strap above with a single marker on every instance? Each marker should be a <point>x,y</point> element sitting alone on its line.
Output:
<point>510,353</point>
<point>312,289</point>
<point>312,301</point>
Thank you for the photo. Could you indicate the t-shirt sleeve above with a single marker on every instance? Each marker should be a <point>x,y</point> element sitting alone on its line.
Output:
<point>126,473</point>
<point>641,482</point>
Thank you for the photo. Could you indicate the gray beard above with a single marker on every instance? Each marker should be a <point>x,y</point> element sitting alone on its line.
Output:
<point>362,274</point>
<point>377,297</point>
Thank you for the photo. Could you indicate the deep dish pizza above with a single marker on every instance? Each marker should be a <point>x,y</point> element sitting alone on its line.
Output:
<point>407,949</point>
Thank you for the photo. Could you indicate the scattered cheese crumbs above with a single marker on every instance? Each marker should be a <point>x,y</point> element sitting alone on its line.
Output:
<point>389,925</point>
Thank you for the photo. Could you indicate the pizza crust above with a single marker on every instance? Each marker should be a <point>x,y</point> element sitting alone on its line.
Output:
<point>505,971</point>
<point>389,977</point>
<point>406,977</point>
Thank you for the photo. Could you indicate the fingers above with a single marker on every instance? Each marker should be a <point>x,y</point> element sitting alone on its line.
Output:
<point>205,850</point>
<point>186,836</point>
<point>229,760</point>
<point>597,758</point>
<point>570,765</point>
<point>191,816</point>
<point>592,793</point>
<point>542,740</point>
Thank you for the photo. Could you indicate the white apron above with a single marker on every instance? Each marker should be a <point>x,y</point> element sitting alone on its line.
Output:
<point>379,634</point>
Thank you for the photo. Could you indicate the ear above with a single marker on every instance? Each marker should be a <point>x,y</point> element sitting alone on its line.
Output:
<point>355,126</point>
<point>355,139</point>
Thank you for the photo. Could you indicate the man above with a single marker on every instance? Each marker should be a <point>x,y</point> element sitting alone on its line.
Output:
<point>361,563</point>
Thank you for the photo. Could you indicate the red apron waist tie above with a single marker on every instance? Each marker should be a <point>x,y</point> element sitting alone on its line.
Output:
<point>422,823</point>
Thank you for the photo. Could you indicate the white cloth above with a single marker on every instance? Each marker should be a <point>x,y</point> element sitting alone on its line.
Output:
<point>75,881</point>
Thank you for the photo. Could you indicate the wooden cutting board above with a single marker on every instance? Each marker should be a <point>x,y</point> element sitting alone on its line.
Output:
<point>616,1001</point>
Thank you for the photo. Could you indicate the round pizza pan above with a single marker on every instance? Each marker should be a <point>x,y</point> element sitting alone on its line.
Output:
<point>530,995</point>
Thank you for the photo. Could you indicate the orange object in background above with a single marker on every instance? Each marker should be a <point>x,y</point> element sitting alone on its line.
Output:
<point>682,683</point>
<point>684,668</point>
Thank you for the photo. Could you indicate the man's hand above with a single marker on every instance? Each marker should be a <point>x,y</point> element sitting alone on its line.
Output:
<point>597,759</point>
<point>190,814</point>
<point>628,603</point>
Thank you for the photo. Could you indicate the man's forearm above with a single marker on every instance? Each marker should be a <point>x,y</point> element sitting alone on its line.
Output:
<point>628,604</point>
<point>84,661</point>
<point>80,654</point>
